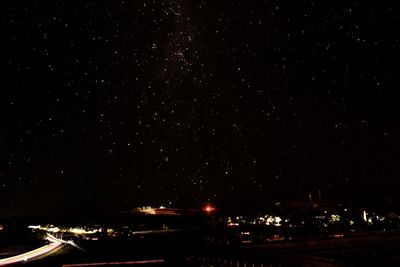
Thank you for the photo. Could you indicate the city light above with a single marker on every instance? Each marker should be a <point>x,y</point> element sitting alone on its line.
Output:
<point>81,231</point>
<point>209,208</point>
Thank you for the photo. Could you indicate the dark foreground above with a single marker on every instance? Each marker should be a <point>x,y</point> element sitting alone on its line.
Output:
<point>371,249</point>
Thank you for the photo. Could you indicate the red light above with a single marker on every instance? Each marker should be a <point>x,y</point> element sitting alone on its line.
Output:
<point>209,209</point>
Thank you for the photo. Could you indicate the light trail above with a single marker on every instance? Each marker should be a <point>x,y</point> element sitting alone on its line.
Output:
<point>33,253</point>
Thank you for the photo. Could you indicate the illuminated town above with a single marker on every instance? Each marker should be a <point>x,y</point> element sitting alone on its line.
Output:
<point>255,228</point>
<point>199,233</point>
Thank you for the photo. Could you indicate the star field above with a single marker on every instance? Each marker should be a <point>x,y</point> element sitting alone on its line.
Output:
<point>117,104</point>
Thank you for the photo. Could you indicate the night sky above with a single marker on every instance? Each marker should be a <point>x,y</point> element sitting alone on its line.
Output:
<point>118,104</point>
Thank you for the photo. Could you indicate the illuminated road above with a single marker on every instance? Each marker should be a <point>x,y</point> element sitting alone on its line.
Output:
<point>31,255</point>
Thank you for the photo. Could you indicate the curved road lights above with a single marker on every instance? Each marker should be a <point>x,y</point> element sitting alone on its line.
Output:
<point>31,255</point>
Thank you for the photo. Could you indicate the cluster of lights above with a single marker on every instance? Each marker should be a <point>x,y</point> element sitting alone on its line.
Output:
<point>326,220</point>
<point>81,231</point>
<point>329,219</point>
<point>148,210</point>
<point>235,221</point>
<point>334,218</point>
<point>265,220</point>
<point>370,217</point>
<point>55,229</point>
<point>271,220</point>
<point>88,233</point>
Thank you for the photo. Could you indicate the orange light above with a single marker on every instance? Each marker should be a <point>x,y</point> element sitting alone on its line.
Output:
<point>209,208</point>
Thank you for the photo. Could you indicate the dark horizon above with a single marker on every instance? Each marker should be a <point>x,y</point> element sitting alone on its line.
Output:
<point>239,103</point>
<point>97,212</point>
